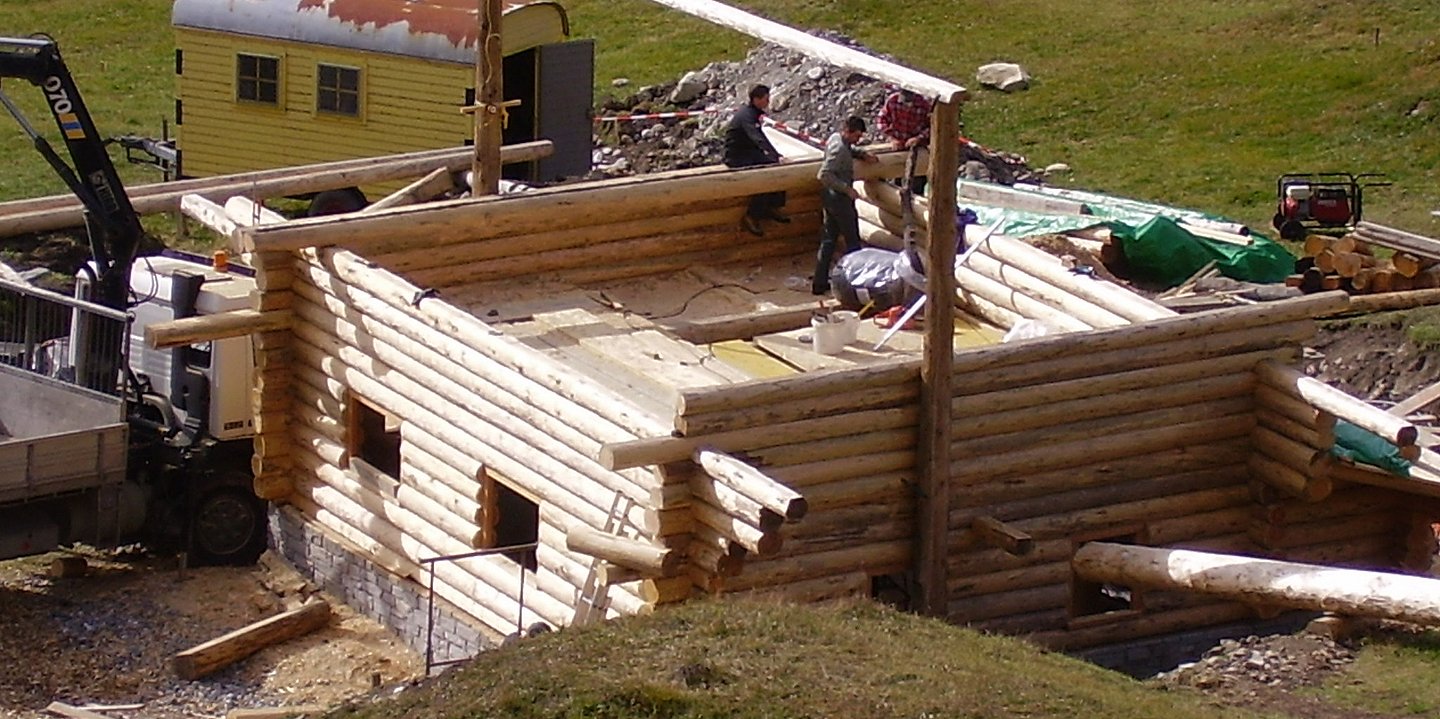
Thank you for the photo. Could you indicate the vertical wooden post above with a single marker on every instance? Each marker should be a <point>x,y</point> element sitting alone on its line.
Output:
<point>489,100</point>
<point>933,502</point>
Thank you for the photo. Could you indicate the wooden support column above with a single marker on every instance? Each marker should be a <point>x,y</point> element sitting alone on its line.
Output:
<point>489,98</point>
<point>933,450</point>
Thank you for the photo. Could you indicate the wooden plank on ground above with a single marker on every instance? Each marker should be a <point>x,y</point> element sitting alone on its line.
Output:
<point>1418,401</point>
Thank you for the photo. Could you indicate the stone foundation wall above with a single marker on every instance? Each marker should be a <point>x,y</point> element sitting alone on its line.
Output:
<point>396,603</point>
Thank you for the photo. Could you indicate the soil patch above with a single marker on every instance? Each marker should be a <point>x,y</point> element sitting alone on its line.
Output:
<point>107,638</point>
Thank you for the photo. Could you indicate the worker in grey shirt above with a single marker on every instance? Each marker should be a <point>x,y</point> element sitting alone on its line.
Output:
<point>837,174</point>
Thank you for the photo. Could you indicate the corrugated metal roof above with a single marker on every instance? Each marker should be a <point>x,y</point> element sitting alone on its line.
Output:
<point>434,29</point>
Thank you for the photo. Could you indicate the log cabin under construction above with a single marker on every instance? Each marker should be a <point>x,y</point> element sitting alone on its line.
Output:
<point>611,377</point>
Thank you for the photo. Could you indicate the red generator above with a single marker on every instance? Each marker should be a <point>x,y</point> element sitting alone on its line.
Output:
<point>1323,202</point>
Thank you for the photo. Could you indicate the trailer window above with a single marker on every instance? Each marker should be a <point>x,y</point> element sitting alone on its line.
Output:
<point>257,78</point>
<point>337,90</point>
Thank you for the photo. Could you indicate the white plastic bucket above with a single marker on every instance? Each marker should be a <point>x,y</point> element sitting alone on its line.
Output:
<point>832,333</point>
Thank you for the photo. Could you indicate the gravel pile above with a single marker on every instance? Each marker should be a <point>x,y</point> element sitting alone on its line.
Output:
<point>807,95</point>
<point>1279,661</point>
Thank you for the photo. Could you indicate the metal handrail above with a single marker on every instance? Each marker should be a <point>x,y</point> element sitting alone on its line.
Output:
<point>430,562</point>
<point>56,297</point>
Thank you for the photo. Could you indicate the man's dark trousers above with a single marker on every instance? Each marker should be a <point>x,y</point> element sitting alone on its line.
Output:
<point>841,225</point>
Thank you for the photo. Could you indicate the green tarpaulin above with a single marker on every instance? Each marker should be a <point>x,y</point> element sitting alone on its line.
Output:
<point>1360,445</point>
<point>1162,252</point>
<point>1157,248</point>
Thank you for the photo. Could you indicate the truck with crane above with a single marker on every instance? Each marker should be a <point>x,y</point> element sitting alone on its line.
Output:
<point>103,440</point>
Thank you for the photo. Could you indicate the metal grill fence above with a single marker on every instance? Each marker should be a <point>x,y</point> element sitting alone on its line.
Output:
<point>64,338</point>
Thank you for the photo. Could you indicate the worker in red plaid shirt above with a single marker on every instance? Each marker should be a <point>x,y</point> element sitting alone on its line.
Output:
<point>905,121</point>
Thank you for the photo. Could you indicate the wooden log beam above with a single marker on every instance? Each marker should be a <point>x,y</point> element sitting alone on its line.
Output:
<point>643,557</point>
<point>1264,582</point>
<point>1322,396</point>
<point>227,649</point>
<point>1387,301</point>
<point>1003,536</point>
<point>752,483</point>
<point>936,373</point>
<point>62,211</point>
<point>203,328</point>
<point>833,53</point>
<point>1397,239</point>
<point>451,221</point>
<point>427,188</point>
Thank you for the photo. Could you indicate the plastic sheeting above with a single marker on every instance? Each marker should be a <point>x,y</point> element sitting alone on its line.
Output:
<point>1157,248</point>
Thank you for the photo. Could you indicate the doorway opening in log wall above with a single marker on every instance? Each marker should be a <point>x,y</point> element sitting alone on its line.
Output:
<point>374,436</point>
<point>1100,602</point>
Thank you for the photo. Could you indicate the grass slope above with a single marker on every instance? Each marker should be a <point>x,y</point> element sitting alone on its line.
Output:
<point>744,659</point>
<point>1195,104</point>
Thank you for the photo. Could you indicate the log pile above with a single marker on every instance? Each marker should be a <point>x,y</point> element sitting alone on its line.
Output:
<point>1349,262</point>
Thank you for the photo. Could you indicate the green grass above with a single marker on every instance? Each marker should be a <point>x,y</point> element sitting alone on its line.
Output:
<point>121,55</point>
<point>750,660</point>
<point>1200,105</point>
<point>1395,677</point>
<point>1421,325</point>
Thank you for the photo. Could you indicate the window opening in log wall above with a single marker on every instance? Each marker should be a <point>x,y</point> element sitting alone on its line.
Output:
<point>1095,600</point>
<point>511,519</point>
<point>374,436</point>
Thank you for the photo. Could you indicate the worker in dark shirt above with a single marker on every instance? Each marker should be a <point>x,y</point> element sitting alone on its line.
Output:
<point>746,146</point>
<point>837,197</point>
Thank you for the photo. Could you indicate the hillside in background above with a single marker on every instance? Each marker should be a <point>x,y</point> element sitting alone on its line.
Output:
<point>1200,105</point>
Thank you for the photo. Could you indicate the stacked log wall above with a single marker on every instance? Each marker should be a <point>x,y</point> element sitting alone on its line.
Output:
<point>581,249</point>
<point>474,408</point>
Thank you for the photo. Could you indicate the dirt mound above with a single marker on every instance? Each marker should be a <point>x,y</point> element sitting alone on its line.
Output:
<point>808,95</point>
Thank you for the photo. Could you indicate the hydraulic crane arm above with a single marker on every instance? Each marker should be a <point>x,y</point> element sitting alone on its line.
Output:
<point>115,232</point>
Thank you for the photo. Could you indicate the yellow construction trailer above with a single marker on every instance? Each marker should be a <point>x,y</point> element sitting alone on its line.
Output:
<point>274,83</point>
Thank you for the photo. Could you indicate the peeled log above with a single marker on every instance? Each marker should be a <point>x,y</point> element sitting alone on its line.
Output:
<point>1263,581</point>
<point>225,650</point>
<point>236,323</point>
<point>630,553</point>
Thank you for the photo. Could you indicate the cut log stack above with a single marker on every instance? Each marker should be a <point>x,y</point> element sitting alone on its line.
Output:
<point>1349,262</point>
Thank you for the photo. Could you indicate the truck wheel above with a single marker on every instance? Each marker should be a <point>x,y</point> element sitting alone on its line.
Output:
<point>335,202</point>
<point>227,527</point>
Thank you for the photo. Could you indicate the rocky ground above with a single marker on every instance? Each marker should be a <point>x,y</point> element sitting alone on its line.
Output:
<point>106,638</point>
<point>807,96</point>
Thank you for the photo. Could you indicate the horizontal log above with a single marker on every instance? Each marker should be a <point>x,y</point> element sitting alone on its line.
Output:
<point>1322,396</point>
<point>1090,518</point>
<point>856,400</point>
<point>1059,298</point>
<point>1273,537</point>
<point>454,221</point>
<point>626,552</point>
<point>749,536</point>
<point>1268,582</point>
<point>964,473</point>
<point>1150,625</point>
<point>1397,239</point>
<point>752,483</point>
<point>222,651</point>
<point>1158,482</point>
<point>968,282</point>
<point>1047,267</point>
<point>1310,435</point>
<point>836,469</point>
<point>62,211</point>
<point>1364,474</point>
<point>809,591</point>
<point>824,383</point>
<point>859,490</point>
<point>874,559</point>
<point>1389,301</point>
<point>662,450</point>
<point>1089,475</point>
<point>204,328</point>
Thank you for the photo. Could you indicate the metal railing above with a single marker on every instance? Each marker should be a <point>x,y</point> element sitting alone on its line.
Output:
<point>429,563</point>
<point>64,338</point>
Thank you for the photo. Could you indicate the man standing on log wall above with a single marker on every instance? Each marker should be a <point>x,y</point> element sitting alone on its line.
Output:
<point>837,175</point>
<point>747,146</point>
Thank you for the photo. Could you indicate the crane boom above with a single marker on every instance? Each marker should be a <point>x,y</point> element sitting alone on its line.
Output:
<point>115,232</point>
